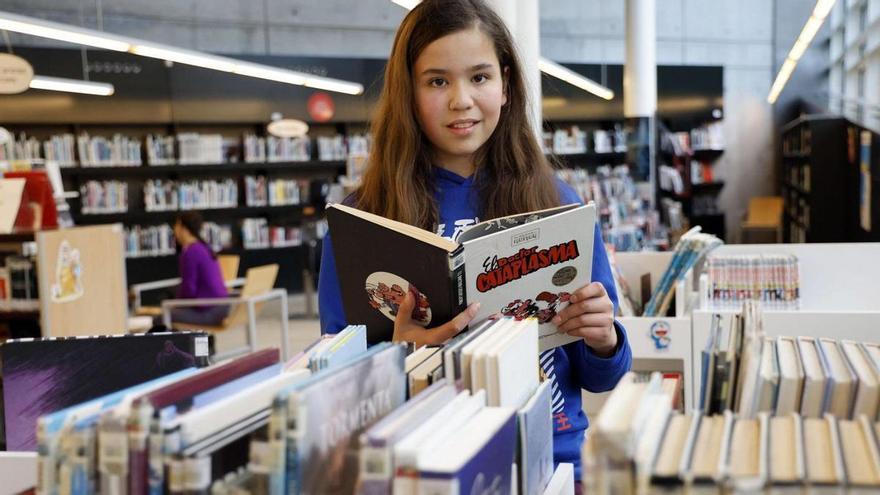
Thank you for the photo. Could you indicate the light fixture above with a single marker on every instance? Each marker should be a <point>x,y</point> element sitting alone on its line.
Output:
<point>820,12</point>
<point>99,39</point>
<point>549,67</point>
<point>571,77</point>
<point>72,85</point>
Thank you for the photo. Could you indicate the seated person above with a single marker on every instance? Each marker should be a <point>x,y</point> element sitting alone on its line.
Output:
<point>200,274</point>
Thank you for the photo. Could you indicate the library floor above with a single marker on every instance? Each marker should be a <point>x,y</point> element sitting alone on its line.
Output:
<point>301,330</point>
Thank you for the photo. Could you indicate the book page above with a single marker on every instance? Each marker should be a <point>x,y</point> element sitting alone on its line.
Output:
<point>707,449</point>
<point>783,456</point>
<point>745,442</point>
<point>673,446</point>
<point>857,454</point>
<point>818,452</point>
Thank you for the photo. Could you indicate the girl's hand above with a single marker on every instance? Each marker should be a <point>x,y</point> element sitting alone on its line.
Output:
<point>407,331</point>
<point>590,315</point>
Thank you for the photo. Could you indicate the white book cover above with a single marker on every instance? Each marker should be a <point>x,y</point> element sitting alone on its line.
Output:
<point>791,376</point>
<point>815,379</point>
<point>868,389</point>
<point>469,368</point>
<point>528,266</point>
<point>535,458</point>
<point>562,482</point>
<point>515,366</point>
<point>841,389</point>
<point>768,378</point>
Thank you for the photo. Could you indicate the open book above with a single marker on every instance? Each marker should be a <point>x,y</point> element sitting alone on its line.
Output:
<point>520,266</point>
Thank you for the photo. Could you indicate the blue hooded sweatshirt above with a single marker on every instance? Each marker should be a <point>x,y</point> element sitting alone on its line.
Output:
<point>570,368</point>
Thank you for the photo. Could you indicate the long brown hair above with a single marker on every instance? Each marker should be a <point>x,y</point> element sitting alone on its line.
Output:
<point>512,175</point>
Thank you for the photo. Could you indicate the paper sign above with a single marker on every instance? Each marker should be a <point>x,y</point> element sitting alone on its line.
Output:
<point>15,74</point>
<point>10,202</point>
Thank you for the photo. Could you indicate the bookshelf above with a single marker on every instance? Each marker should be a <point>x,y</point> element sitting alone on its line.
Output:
<point>686,174</point>
<point>822,184</point>
<point>219,184</point>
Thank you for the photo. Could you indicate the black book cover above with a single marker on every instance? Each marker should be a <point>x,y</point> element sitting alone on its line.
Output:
<point>376,265</point>
<point>41,376</point>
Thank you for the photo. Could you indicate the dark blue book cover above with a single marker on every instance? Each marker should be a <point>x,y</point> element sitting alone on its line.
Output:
<point>488,470</point>
<point>41,376</point>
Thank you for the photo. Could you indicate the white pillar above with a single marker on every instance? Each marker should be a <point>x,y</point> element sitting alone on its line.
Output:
<point>523,21</point>
<point>640,70</point>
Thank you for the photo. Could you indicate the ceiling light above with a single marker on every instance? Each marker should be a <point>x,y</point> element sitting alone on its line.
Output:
<point>89,37</point>
<point>820,12</point>
<point>72,85</point>
<point>184,57</point>
<point>553,69</point>
<point>407,4</point>
<point>62,32</point>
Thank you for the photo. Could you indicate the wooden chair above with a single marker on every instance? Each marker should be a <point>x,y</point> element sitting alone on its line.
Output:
<point>228,268</point>
<point>257,289</point>
<point>763,223</point>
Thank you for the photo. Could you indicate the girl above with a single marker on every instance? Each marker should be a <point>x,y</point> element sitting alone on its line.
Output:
<point>200,275</point>
<point>452,145</point>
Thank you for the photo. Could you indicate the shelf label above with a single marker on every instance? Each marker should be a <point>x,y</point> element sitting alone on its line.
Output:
<point>15,74</point>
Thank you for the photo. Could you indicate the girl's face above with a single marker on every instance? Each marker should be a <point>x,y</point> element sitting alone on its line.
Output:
<point>459,90</point>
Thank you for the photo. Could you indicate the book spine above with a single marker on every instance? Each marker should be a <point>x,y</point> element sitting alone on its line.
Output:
<point>458,295</point>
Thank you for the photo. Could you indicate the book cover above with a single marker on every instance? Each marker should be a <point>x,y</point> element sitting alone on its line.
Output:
<point>529,265</point>
<point>324,429</point>
<point>535,452</point>
<point>41,376</point>
<point>377,265</point>
<point>477,459</point>
<point>522,266</point>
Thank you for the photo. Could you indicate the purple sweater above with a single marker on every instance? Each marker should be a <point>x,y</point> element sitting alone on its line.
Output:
<point>200,274</point>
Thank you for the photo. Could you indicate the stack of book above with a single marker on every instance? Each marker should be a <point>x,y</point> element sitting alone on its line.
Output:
<point>690,249</point>
<point>169,195</point>
<point>118,151</point>
<point>60,148</point>
<point>195,148</point>
<point>772,279</point>
<point>144,241</point>
<point>103,196</point>
<point>332,148</point>
<point>219,237</point>
<point>23,148</point>
<point>294,149</point>
<point>160,150</point>
<point>696,453</point>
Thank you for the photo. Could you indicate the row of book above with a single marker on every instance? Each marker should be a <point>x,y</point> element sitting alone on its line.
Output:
<point>169,195</point>
<point>692,247</point>
<point>745,371</point>
<point>575,140</point>
<point>276,192</point>
<point>257,234</point>
<point>98,151</point>
<point>103,197</point>
<point>642,446</point>
<point>773,279</point>
<point>799,176</point>
<point>188,148</point>
<point>258,149</point>
<point>275,429</point>
<point>156,240</point>
<point>219,237</point>
<point>670,179</point>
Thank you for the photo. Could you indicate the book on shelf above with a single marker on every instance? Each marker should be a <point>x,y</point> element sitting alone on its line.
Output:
<point>344,346</point>
<point>44,375</point>
<point>562,481</point>
<point>534,459</point>
<point>868,389</point>
<point>815,378</point>
<point>322,438</point>
<point>842,381</point>
<point>791,376</point>
<point>523,265</point>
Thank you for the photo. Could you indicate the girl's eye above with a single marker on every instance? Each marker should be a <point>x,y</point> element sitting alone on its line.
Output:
<point>437,82</point>
<point>480,78</point>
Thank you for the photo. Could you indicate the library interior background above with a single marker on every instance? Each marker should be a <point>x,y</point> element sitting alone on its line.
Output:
<point>166,168</point>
